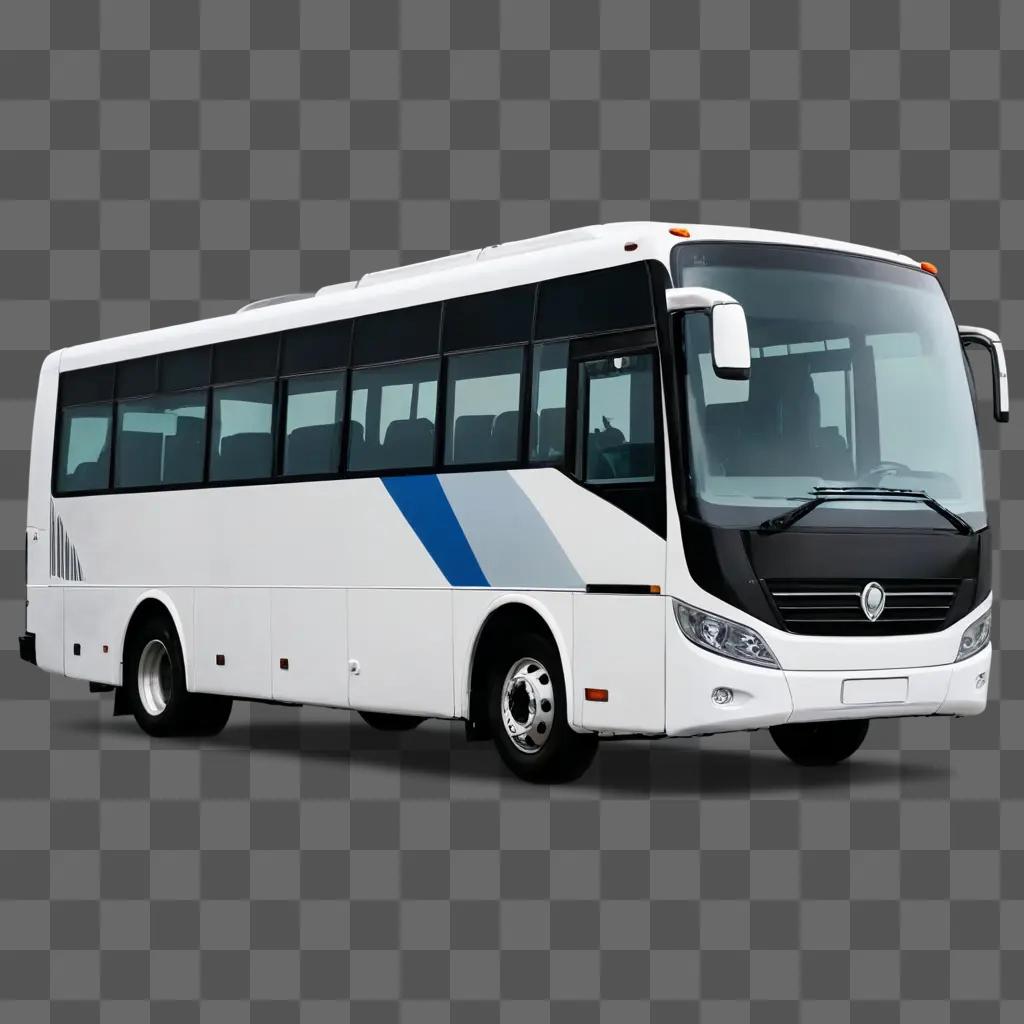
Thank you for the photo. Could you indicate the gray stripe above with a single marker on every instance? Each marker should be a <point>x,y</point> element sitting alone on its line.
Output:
<point>513,544</point>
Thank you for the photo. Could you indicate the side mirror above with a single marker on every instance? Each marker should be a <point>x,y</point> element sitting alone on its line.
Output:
<point>989,340</point>
<point>730,343</point>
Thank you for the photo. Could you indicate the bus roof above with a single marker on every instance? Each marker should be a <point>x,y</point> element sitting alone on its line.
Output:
<point>495,266</point>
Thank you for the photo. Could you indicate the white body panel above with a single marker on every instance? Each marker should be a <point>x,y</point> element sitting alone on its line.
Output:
<point>309,629</point>
<point>332,576</point>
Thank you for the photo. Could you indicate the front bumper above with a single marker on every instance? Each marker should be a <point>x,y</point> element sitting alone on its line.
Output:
<point>765,697</point>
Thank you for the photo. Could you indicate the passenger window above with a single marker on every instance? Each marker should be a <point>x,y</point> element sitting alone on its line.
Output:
<point>547,419</point>
<point>242,444</point>
<point>602,300</point>
<point>393,411</point>
<point>618,399</point>
<point>83,457</point>
<point>489,319</point>
<point>160,440</point>
<point>314,407</point>
<point>482,419</point>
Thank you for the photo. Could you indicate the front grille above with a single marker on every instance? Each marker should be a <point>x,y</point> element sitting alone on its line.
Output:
<point>832,607</point>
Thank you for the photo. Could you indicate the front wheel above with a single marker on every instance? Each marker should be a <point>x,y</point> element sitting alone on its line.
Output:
<point>527,712</point>
<point>814,744</point>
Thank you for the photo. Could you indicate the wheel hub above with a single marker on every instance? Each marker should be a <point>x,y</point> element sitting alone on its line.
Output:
<point>154,677</point>
<point>527,705</point>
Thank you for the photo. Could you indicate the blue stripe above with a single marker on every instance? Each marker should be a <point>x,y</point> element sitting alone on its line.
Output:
<point>427,510</point>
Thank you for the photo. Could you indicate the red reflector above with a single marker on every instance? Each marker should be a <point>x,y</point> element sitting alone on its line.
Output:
<point>284,664</point>
<point>630,247</point>
<point>601,696</point>
<point>220,659</point>
<point>105,648</point>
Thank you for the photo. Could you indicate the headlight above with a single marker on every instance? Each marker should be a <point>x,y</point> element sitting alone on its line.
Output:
<point>975,637</point>
<point>723,636</point>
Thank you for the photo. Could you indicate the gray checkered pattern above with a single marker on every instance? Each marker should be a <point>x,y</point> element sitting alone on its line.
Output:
<point>168,161</point>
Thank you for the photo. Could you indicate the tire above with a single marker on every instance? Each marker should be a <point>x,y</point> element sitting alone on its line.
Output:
<point>154,682</point>
<point>526,711</point>
<point>390,723</point>
<point>817,744</point>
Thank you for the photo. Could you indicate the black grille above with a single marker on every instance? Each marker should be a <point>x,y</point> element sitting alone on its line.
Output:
<point>832,607</point>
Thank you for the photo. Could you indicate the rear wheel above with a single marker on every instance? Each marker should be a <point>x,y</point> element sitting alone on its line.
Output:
<point>154,681</point>
<point>390,723</point>
<point>820,743</point>
<point>527,713</point>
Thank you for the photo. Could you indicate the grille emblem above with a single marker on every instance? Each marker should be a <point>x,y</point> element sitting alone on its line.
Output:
<point>872,601</point>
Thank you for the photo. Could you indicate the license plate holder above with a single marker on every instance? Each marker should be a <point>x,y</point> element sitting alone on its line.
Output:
<point>889,690</point>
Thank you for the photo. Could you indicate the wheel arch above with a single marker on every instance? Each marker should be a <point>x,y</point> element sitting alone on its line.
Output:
<point>517,612</point>
<point>156,601</point>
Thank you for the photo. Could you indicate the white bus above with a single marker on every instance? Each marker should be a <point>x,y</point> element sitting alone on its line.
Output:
<point>626,480</point>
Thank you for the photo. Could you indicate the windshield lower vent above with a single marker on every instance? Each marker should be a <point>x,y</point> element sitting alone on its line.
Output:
<point>833,607</point>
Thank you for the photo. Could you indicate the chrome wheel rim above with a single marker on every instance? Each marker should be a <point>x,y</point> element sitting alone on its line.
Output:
<point>154,677</point>
<point>528,705</point>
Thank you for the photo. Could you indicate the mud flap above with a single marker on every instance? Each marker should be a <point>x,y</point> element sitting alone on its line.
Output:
<point>121,705</point>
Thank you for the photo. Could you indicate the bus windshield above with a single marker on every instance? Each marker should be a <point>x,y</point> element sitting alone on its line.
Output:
<point>857,379</point>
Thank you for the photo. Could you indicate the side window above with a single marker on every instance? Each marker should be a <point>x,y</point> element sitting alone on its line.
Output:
<point>547,415</point>
<point>83,455</point>
<point>617,419</point>
<point>314,406</point>
<point>160,440</point>
<point>489,319</point>
<point>391,425</point>
<point>242,441</point>
<point>602,300</point>
<point>482,418</point>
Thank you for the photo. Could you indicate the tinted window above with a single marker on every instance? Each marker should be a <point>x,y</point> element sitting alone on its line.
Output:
<point>392,419</point>
<point>189,368</point>
<point>482,419</point>
<point>319,347</point>
<point>136,377</point>
<point>96,384</point>
<point>247,359</point>
<point>493,318</point>
<point>160,440</point>
<point>397,334</point>
<point>312,441</point>
<point>242,443</point>
<point>547,420</point>
<point>602,300</point>
<point>618,396</point>
<point>83,454</point>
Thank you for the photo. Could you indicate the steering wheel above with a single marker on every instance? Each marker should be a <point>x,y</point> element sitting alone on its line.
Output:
<point>882,470</point>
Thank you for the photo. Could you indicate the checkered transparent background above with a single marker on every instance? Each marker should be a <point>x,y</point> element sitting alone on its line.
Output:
<point>168,161</point>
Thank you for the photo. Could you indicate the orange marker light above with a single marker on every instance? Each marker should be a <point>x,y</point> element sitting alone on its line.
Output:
<point>679,232</point>
<point>601,696</point>
<point>930,267</point>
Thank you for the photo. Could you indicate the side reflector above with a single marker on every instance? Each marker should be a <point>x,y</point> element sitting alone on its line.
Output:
<point>601,696</point>
<point>679,232</point>
<point>630,247</point>
<point>284,664</point>
<point>930,267</point>
<point>220,659</point>
<point>106,648</point>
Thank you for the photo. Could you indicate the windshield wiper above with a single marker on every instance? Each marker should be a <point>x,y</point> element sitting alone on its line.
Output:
<point>823,494</point>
